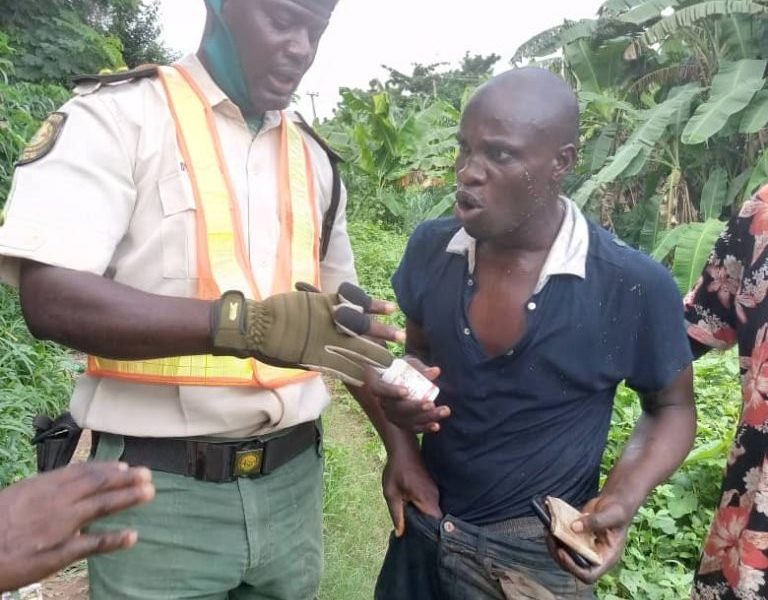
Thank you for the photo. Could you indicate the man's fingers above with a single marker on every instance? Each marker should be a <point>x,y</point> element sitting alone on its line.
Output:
<point>351,321</point>
<point>386,333</point>
<point>303,286</point>
<point>419,416</point>
<point>598,522</point>
<point>566,562</point>
<point>354,322</point>
<point>95,478</point>
<point>382,307</point>
<point>109,502</point>
<point>352,294</point>
<point>87,544</point>
<point>396,508</point>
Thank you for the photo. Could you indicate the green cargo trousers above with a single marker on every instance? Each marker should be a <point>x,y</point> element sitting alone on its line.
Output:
<point>247,540</point>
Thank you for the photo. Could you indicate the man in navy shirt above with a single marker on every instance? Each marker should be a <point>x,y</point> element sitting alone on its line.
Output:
<point>531,316</point>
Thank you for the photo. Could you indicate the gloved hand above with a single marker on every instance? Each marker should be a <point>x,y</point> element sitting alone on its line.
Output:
<point>303,329</point>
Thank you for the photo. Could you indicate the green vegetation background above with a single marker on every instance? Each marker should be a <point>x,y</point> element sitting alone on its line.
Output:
<point>645,172</point>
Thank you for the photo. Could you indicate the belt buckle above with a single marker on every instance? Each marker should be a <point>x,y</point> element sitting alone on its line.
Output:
<point>249,462</point>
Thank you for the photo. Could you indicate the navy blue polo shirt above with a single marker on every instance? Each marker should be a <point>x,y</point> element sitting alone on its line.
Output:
<point>535,420</point>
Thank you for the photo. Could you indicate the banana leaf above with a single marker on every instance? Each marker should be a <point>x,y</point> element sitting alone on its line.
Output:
<point>692,251</point>
<point>654,123</point>
<point>732,90</point>
<point>651,9</point>
<point>756,114</point>
<point>687,17</point>
<point>584,193</point>
<point>714,194</point>
<point>599,149</point>
<point>737,185</point>
<point>651,228</point>
<point>759,176</point>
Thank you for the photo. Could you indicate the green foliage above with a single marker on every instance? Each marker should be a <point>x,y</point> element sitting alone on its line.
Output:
<point>399,140</point>
<point>674,115</point>
<point>22,107</point>
<point>53,43</point>
<point>427,82</point>
<point>35,378</point>
<point>138,28</point>
<point>399,160</point>
<point>666,537</point>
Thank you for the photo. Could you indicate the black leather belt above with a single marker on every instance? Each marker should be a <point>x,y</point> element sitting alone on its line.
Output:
<point>220,462</point>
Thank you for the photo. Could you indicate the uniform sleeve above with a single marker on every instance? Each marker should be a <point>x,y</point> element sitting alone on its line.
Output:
<point>409,279</point>
<point>710,307</point>
<point>339,263</point>
<point>71,207</point>
<point>661,350</point>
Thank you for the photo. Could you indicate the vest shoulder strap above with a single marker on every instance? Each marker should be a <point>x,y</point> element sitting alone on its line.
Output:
<point>329,218</point>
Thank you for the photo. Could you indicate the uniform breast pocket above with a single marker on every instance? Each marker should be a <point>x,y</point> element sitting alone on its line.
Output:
<point>178,227</point>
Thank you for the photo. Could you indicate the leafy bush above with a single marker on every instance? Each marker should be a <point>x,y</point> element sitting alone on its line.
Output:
<point>667,535</point>
<point>22,107</point>
<point>35,377</point>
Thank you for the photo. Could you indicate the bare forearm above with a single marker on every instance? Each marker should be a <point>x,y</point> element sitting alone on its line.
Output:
<point>659,444</point>
<point>393,437</point>
<point>98,316</point>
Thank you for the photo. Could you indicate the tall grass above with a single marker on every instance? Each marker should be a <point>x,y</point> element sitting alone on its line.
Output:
<point>35,377</point>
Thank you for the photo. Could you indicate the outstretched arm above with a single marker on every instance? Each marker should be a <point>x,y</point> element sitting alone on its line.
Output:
<point>661,440</point>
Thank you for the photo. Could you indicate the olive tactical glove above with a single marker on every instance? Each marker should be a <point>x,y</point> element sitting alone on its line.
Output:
<point>304,329</point>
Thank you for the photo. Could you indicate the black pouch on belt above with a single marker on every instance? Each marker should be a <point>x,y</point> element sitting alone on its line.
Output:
<point>55,441</point>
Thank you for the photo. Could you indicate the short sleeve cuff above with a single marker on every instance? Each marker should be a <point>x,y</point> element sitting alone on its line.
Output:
<point>23,240</point>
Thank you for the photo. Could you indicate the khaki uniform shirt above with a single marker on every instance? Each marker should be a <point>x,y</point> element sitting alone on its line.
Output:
<point>113,198</point>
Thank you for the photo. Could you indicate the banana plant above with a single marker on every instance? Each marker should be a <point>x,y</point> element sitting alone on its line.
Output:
<point>674,117</point>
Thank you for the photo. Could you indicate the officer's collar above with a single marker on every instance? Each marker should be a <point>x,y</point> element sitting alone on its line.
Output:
<point>218,100</point>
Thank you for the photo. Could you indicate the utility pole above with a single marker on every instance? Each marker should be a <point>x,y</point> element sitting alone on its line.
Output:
<point>312,96</point>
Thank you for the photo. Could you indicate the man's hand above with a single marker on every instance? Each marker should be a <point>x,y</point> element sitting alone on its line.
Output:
<point>415,416</point>
<point>307,329</point>
<point>609,520</point>
<point>405,479</point>
<point>42,518</point>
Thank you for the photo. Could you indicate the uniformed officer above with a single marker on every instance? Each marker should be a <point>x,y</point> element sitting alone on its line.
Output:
<point>169,212</point>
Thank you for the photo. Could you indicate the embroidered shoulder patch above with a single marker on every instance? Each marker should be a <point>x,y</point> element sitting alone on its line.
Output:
<point>45,138</point>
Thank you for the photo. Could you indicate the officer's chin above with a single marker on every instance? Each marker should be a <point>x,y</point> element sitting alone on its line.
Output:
<point>266,100</point>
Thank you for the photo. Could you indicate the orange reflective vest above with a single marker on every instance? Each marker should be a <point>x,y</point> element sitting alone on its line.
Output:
<point>222,260</point>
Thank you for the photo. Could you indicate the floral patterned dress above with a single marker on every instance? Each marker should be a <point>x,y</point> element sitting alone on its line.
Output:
<point>727,306</point>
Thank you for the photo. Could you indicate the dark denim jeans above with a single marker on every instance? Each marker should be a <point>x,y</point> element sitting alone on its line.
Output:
<point>451,560</point>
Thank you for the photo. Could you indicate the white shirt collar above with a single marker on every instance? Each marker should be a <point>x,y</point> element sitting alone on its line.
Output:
<point>567,256</point>
<point>216,96</point>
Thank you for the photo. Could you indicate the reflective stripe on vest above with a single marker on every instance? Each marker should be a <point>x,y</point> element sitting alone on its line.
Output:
<point>222,262</point>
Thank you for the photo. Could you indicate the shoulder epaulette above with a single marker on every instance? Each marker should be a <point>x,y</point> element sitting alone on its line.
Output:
<point>140,72</point>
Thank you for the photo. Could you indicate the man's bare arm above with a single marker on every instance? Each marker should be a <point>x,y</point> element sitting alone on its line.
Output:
<point>99,316</point>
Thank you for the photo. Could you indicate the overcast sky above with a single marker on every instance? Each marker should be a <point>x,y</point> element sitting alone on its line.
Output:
<point>364,35</point>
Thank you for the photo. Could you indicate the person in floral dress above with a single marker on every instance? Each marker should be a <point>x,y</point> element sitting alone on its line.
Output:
<point>728,306</point>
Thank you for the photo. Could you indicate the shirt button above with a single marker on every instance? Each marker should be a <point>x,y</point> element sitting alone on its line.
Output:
<point>471,282</point>
<point>467,331</point>
<point>448,527</point>
<point>531,306</point>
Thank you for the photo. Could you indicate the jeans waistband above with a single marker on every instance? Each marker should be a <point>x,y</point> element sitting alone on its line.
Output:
<point>525,527</point>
